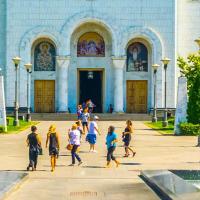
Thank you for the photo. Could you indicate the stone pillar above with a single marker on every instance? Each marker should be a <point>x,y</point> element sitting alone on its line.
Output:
<point>181,107</point>
<point>118,63</point>
<point>62,82</point>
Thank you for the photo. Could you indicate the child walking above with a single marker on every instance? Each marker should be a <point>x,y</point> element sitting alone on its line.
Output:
<point>85,119</point>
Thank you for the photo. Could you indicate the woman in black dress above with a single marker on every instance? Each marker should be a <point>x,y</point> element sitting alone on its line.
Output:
<point>54,145</point>
<point>127,138</point>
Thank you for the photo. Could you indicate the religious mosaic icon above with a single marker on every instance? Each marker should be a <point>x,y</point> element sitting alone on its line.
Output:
<point>44,57</point>
<point>91,45</point>
<point>137,57</point>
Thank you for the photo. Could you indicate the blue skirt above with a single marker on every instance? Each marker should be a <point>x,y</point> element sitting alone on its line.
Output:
<point>91,138</point>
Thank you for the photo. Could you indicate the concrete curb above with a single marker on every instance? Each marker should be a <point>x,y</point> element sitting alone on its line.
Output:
<point>15,186</point>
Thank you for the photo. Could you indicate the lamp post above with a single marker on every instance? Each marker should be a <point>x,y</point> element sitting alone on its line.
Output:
<point>165,61</point>
<point>198,42</point>
<point>28,67</point>
<point>155,68</point>
<point>16,62</point>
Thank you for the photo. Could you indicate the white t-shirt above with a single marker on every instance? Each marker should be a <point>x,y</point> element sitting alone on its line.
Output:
<point>85,117</point>
<point>92,127</point>
<point>74,137</point>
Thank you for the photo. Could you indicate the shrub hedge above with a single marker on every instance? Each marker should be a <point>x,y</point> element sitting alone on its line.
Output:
<point>189,129</point>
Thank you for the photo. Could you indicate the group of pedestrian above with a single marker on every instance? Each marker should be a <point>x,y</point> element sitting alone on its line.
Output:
<point>87,105</point>
<point>75,136</point>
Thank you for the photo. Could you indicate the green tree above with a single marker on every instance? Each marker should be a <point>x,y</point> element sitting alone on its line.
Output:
<point>190,68</point>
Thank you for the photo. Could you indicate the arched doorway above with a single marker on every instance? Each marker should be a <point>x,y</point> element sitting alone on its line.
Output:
<point>44,63</point>
<point>91,45</point>
<point>91,49</point>
<point>137,89</point>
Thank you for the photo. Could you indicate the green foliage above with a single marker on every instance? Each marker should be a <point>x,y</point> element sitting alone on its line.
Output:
<point>169,130</point>
<point>189,129</point>
<point>13,129</point>
<point>190,68</point>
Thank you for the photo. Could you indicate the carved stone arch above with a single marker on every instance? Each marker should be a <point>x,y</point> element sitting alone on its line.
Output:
<point>148,35</point>
<point>96,17</point>
<point>29,38</point>
<point>154,41</point>
<point>91,28</point>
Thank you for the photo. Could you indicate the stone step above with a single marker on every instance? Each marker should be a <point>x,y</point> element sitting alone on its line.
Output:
<point>102,116</point>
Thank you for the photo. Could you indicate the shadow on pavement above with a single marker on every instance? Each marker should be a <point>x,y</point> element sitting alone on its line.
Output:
<point>94,167</point>
<point>131,164</point>
<point>23,170</point>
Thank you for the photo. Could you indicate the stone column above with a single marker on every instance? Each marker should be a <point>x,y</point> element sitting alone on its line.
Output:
<point>62,82</point>
<point>119,64</point>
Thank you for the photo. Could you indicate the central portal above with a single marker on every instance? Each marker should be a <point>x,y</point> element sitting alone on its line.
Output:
<point>90,87</point>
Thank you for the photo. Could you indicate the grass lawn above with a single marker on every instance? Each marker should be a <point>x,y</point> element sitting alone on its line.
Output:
<point>13,129</point>
<point>163,130</point>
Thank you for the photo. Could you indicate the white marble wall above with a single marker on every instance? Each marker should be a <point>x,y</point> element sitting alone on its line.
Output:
<point>152,21</point>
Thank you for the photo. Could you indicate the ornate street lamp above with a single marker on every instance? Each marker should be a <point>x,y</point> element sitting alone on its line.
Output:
<point>28,69</point>
<point>165,61</point>
<point>16,62</point>
<point>198,42</point>
<point>155,68</point>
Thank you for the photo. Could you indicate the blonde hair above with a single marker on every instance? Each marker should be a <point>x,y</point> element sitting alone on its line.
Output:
<point>129,123</point>
<point>52,128</point>
<point>74,127</point>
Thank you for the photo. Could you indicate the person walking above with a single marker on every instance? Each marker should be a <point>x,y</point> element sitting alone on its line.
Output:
<point>79,111</point>
<point>90,106</point>
<point>85,119</point>
<point>34,143</point>
<point>54,145</point>
<point>74,140</point>
<point>111,142</point>
<point>92,134</point>
<point>127,138</point>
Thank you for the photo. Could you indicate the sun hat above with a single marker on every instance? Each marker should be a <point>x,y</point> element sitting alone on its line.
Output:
<point>96,117</point>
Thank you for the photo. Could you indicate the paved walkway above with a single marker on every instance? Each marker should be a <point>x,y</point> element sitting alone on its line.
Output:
<point>92,180</point>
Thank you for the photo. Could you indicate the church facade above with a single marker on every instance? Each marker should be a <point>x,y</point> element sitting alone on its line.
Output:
<point>95,49</point>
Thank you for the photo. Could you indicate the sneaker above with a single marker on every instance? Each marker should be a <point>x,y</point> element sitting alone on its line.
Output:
<point>94,151</point>
<point>80,163</point>
<point>71,165</point>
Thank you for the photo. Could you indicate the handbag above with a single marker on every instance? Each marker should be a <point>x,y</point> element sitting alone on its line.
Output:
<point>40,150</point>
<point>69,147</point>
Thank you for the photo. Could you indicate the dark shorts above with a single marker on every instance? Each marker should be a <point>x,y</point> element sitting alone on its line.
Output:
<point>85,123</point>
